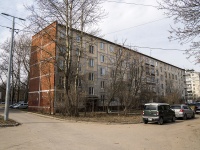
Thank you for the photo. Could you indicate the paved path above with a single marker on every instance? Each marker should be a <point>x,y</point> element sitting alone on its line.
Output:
<point>44,133</point>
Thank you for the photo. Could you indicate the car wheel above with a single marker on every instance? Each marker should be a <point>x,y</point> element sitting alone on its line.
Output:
<point>185,117</point>
<point>160,121</point>
<point>173,119</point>
<point>145,121</point>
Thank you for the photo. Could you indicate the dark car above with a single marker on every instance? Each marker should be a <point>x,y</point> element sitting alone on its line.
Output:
<point>158,112</point>
<point>197,107</point>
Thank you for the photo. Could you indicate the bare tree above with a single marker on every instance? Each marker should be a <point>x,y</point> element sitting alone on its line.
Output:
<point>116,75</point>
<point>132,85</point>
<point>173,95</point>
<point>187,13</point>
<point>20,66</point>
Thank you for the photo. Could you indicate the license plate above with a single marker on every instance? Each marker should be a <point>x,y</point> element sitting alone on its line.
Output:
<point>150,119</point>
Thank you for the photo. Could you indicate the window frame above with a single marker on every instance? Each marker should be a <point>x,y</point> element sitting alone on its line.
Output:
<point>91,76</point>
<point>102,45</point>
<point>102,71</point>
<point>91,90</point>
<point>91,62</point>
<point>102,58</point>
<point>91,49</point>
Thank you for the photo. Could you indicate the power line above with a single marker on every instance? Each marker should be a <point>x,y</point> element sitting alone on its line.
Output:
<point>5,27</point>
<point>123,30</point>
<point>11,20</point>
<point>165,49</point>
<point>131,3</point>
<point>137,25</point>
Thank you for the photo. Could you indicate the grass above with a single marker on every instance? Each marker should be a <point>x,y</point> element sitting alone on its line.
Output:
<point>106,118</point>
<point>100,117</point>
<point>9,122</point>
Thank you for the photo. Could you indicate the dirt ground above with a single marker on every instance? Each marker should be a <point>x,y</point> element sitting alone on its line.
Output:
<point>44,132</point>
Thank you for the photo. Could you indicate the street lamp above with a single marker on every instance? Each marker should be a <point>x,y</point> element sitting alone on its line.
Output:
<point>9,67</point>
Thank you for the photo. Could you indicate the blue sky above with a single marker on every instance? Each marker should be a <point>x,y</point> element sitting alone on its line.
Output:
<point>137,25</point>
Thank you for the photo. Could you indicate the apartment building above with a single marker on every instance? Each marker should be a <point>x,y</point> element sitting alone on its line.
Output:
<point>193,85</point>
<point>97,65</point>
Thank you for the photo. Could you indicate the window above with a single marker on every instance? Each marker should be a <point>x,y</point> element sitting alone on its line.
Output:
<point>61,96</point>
<point>102,97</point>
<point>165,74</point>
<point>175,107</point>
<point>78,82</point>
<point>61,64</point>
<point>112,74</point>
<point>111,49</point>
<point>91,62</point>
<point>162,86</point>
<point>102,58</point>
<point>79,67</point>
<point>77,51</point>
<point>78,38</point>
<point>62,34</point>
<point>150,107</point>
<point>166,107</point>
<point>157,73</point>
<point>161,77</point>
<point>102,84</point>
<point>91,90</point>
<point>62,49</point>
<point>112,60</point>
<point>61,82</point>
<point>102,71</point>
<point>120,51</point>
<point>91,49</point>
<point>91,76</point>
<point>161,69</point>
<point>101,45</point>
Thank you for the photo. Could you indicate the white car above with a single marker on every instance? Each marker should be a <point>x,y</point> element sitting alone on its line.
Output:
<point>183,111</point>
<point>21,106</point>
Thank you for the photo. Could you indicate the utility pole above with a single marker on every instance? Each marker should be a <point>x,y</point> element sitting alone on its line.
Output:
<point>9,67</point>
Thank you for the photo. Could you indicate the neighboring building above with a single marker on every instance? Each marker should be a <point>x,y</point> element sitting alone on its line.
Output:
<point>46,79</point>
<point>193,85</point>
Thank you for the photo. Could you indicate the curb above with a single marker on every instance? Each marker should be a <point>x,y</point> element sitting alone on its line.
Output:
<point>10,125</point>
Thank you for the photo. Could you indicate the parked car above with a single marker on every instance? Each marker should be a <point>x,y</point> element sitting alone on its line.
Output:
<point>197,108</point>
<point>21,106</point>
<point>158,112</point>
<point>11,106</point>
<point>183,111</point>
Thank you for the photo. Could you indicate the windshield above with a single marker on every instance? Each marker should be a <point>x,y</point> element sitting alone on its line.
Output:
<point>150,107</point>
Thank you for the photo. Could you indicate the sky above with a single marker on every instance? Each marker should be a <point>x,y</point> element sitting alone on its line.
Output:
<point>138,26</point>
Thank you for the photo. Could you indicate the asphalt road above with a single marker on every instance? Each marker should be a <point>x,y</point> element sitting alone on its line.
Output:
<point>45,133</point>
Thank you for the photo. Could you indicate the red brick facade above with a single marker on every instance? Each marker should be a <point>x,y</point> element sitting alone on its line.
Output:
<point>42,70</point>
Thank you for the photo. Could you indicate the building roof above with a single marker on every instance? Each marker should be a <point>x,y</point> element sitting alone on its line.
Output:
<point>113,44</point>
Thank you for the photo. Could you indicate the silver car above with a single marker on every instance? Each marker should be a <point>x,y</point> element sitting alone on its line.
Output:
<point>21,106</point>
<point>183,111</point>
